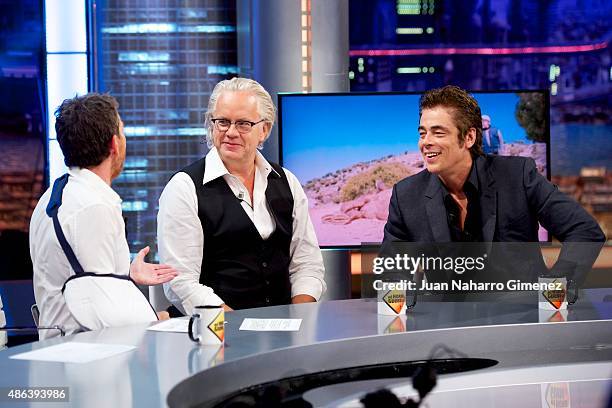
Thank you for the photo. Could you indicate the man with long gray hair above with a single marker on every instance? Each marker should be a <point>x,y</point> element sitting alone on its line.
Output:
<point>234,225</point>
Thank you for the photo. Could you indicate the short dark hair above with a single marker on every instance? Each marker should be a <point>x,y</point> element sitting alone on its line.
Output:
<point>465,112</point>
<point>85,126</point>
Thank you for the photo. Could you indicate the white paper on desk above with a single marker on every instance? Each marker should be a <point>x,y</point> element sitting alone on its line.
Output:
<point>171,325</point>
<point>73,352</point>
<point>271,324</point>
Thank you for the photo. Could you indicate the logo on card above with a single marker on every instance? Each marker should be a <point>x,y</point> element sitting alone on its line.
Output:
<point>555,297</point>
<point>395,299</point>
<point>217,326</point>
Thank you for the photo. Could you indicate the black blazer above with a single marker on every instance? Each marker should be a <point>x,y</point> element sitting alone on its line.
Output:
<point>514,197</point>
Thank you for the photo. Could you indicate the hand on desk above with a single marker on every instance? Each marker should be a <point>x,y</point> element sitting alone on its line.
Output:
<point>302,299</point>
<point>163,315</point>
<point>145,273</point>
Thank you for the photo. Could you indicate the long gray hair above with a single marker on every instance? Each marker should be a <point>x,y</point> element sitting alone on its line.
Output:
<point>265,106</point>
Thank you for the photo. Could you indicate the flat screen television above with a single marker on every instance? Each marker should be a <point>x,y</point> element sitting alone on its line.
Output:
<point>348,149</point>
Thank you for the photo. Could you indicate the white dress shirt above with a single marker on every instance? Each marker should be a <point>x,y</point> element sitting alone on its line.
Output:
<point>90,216</point>
<point>181,239</point>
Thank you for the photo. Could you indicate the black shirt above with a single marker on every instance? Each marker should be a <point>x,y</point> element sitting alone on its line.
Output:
<point>472,231</point>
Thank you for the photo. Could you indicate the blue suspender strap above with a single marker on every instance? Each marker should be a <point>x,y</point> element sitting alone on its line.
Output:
<point>52,208</point>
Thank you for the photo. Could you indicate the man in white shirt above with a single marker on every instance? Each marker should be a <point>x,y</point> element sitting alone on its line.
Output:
<point>235,226</point>
<point>90,134</point>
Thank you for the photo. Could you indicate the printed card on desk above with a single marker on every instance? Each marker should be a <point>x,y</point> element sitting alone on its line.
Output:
<point>271,324</point>
<point>73,352</point>
<point>172,325</point>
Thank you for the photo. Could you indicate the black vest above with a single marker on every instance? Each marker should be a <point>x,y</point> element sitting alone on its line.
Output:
<point>242,268</point>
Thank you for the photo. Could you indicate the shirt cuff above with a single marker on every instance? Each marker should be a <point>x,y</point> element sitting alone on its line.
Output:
<point>204,297</point>
<point>307,285</point>
<point>209,300</point>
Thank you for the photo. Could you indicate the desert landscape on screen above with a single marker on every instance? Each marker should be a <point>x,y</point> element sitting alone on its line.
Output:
<point>351,204</point>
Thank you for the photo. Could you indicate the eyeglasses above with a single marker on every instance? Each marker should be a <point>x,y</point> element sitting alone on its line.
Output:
<point>242,126</point>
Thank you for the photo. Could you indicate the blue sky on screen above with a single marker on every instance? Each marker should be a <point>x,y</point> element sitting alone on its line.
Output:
<point>324,133</point>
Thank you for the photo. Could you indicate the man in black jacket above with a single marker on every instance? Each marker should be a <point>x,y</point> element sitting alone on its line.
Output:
<point>465,196</point>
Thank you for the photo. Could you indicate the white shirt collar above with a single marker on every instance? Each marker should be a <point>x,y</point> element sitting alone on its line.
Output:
<point>215,167</point>
<point>94,181</point>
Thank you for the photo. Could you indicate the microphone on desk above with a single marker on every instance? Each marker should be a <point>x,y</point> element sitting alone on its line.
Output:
<point>424,380</point>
